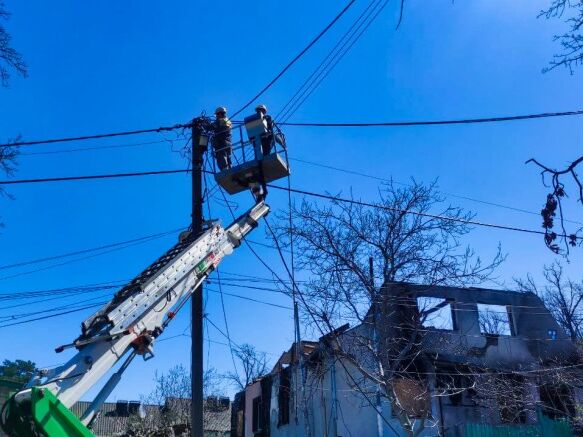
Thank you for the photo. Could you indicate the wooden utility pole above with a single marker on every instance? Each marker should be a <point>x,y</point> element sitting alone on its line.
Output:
<point>197,425</point>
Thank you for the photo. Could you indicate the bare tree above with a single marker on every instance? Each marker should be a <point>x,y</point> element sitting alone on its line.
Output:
<point>410,236</point>
<point>169,403</point>
<point>562,296</point>
<point>253,365</point>
<point>10,59</point>
<point>571,41</point>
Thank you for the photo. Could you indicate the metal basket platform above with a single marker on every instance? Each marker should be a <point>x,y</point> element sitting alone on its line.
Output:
<point>239,177</point>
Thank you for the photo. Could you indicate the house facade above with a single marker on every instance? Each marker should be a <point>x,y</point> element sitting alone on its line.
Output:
<point>474,358</point>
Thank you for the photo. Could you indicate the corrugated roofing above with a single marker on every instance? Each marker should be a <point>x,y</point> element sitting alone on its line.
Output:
<point>110,424</point>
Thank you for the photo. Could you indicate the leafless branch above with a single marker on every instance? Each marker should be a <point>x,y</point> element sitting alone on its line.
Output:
<point>554,204</point>
<point>10,59</point>
<point>571,42</point>
<point>8,165</point>
<point>253,365</point>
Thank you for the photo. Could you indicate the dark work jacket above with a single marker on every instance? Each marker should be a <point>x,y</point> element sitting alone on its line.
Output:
<point>269,122</point>
<point>268,137</point>
<point>222,136</point>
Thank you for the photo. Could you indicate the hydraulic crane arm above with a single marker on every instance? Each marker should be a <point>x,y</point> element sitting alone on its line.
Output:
<point>125,327</point>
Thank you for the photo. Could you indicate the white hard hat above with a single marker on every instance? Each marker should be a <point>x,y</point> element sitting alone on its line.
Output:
<point>261,108</point>
<point>221,109</point>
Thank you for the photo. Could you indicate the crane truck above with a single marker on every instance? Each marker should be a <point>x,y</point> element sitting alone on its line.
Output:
<point>137,314</point>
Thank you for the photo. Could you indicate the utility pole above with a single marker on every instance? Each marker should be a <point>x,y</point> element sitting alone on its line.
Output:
<point>196,405</point>
<point>376,346</point>
<point>334,406</point>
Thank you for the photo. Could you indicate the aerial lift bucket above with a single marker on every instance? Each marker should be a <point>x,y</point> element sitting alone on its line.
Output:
<point>261,168</point>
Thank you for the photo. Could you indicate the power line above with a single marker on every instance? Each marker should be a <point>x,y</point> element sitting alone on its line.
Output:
<point>93,249</point>
<point>441,122</point>
<point>251,300</point>
<point>457,196</point>
<point>35,302</point>
<point>420,214</point>
<point>307,124</point>
<point>87,149</point>
<point>292,159</point>
<point>363,124</point>
<point>296,58</point>
<point>105,286</point>
<point>221,331</point>
<point>13,295</point>
<point>52,315</point>
<point>50,310</point>
<point>97,136</point>
<point>285,107</point>
<point>293,190</point>
<point>89,177</point>
<point>333,62</point>
<point>114,249</point>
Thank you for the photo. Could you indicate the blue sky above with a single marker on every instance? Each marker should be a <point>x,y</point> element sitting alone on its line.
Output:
<point>112,66</point>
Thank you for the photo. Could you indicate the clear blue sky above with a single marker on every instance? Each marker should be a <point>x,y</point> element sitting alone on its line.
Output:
<point>113,65</point>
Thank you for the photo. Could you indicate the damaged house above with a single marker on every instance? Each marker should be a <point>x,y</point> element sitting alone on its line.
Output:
<point>424,361</point>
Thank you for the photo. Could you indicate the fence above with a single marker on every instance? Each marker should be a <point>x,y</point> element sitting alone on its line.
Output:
<point>544,428</point>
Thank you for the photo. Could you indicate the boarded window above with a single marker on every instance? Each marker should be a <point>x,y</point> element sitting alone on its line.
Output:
<point>257,424</point>
<point>494,319</point>
<point>435,313</point>
<point>283,396</point>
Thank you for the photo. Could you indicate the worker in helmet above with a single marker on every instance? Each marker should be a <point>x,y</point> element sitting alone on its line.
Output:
<point>267,140</point>
<point>222,138</point>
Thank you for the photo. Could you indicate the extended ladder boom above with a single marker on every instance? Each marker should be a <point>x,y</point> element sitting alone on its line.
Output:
<point>136,315</point>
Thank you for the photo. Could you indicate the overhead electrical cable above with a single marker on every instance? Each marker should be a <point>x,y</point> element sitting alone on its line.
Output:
<point>457,196</point>
<point>96,136</point>
<point>319,124</point>
<point>52,266</point>
<point>335,60</point>
<point>304,192</point>
<point>36,302</point>
<point>220,331</point>
<point>14,295</point>
<point>52,315</point>
<point>416,213</point>
<point>89,177</point>
<point>304,85</point>
<point>88,149</point>
<point>93,249</point>
<point>85,289</point>
<point>296,58</point>
<point>285,307</point>
<point>441,122</point>
<point>50,310</point>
